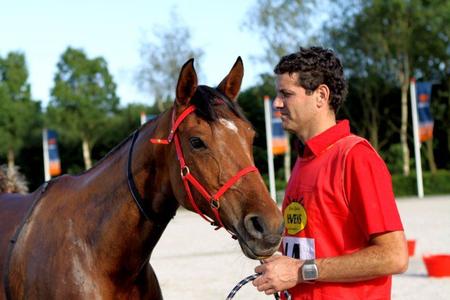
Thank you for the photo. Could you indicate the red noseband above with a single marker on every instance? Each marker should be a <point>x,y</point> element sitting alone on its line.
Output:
<point>186,175</point>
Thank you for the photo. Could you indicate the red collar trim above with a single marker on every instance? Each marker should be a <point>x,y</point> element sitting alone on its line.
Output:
<point>321,142</point>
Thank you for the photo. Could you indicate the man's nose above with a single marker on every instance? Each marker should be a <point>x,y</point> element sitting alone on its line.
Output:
<point>277,103</point>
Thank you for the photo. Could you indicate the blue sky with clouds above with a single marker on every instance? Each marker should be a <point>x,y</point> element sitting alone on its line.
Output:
<point>115,29</point>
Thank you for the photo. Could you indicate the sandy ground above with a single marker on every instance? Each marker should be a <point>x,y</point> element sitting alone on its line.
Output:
<point>192,261</point>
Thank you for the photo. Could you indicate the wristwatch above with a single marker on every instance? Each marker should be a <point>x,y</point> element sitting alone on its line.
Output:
<point>309,270</point>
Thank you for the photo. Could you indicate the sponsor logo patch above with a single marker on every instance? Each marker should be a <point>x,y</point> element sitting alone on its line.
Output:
<point>295,218</point>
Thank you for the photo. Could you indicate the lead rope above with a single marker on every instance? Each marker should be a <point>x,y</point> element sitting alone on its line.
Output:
<point>246,280</point>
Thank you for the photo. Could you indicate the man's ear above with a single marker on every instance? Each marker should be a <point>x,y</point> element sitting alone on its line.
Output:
<point>187,83</point>
<point>231,84</point>
<point>323,95</point>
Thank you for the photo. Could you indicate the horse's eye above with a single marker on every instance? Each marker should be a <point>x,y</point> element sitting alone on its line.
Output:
<point>197,143</point>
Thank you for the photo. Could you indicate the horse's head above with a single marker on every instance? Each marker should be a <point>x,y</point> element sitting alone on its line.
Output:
<point>214,142</point>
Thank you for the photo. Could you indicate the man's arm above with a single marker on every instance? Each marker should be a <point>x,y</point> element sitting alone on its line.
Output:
<point>387,254</point>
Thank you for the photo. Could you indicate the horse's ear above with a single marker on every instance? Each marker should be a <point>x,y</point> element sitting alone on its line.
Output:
<point>231,84</point>
<point>187,83</point>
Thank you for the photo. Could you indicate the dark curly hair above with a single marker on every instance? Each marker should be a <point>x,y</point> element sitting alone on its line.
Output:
<point>316,66</point>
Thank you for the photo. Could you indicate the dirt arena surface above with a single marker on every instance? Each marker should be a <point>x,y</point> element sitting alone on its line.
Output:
<point>193,261</point>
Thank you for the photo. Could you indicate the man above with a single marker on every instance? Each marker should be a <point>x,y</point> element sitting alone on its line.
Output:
<point>343,237</point>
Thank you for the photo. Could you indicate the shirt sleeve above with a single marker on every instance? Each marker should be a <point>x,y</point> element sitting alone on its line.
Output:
<point>368,186</point>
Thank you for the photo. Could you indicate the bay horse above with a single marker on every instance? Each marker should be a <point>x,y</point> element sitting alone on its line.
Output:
<point>91,236</point>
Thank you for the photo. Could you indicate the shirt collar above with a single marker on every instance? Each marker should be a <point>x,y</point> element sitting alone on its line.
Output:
<point>319,143</point>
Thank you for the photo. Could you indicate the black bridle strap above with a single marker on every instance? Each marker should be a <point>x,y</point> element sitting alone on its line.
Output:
<point>144,206</point>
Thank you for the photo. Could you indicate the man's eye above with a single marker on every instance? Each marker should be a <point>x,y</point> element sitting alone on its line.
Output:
<point>284,94</point>
<point>197,143</point>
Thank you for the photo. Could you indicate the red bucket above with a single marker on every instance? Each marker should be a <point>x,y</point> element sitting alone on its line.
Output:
<point>437,265</point>
<point>411,247</point>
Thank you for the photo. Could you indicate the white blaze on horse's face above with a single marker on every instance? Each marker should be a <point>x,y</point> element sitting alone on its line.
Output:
<point>232,127</point>
<point>229,125</point>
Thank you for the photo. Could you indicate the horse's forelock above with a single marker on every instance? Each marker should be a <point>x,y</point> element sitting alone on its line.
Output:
<point>208,101</point>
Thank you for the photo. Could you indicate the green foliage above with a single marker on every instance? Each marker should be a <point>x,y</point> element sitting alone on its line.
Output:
<point>392,37</point>
<point>19,115</point>
<point>83,97</point>
<point>432,184</point>
<point>383,44</point>
<point>122,124</point>
<point>393,158</point>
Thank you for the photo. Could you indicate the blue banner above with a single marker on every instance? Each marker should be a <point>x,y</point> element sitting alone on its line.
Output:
<point>426,123</point>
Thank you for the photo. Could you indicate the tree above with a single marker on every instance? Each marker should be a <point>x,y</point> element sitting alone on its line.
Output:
<point>369,81</point>
<point>283,25</point>
<point>370,109</point>
<point>162,60</point>
<point>83,98</point>
<point>18,113</point>
<point>399,39</point>
<point>122,124</point>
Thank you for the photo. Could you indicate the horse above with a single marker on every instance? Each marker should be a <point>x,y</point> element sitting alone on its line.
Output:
<point>91,236</point>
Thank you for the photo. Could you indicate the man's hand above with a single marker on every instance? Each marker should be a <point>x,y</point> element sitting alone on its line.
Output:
<point>278,273</point>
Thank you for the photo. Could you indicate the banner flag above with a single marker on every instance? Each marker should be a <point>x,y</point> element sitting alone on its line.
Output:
<point>53,154</point>
<point>279,137</point>
<point>426,123</point>
<point>52,164</point>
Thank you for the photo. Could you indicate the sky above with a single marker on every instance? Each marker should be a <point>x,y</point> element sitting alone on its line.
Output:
<point>116,29</point>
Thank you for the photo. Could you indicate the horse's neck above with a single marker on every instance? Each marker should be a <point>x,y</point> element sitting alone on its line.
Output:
<point>126,230</point>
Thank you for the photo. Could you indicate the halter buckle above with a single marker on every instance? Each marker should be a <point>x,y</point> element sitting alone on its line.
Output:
<point>170,137</point>
<point>214,203</point>
<point>185,171</point>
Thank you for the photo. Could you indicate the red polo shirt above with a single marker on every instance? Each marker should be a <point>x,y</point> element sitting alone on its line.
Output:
<point>339,194</point>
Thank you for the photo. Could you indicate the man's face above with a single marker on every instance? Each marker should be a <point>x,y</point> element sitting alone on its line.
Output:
<point>298,108</point>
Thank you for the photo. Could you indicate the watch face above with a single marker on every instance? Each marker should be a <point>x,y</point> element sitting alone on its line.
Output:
<point>309,272</point>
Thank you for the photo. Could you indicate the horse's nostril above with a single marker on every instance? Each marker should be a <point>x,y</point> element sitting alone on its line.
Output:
<point>256,224</point>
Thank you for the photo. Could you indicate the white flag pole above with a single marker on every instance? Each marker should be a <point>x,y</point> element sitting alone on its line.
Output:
<point>46,157</point>
<point>415,123</point>
<point>268,119</point>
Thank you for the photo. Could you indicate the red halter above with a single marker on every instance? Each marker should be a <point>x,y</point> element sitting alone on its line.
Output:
<point>187,176</point>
